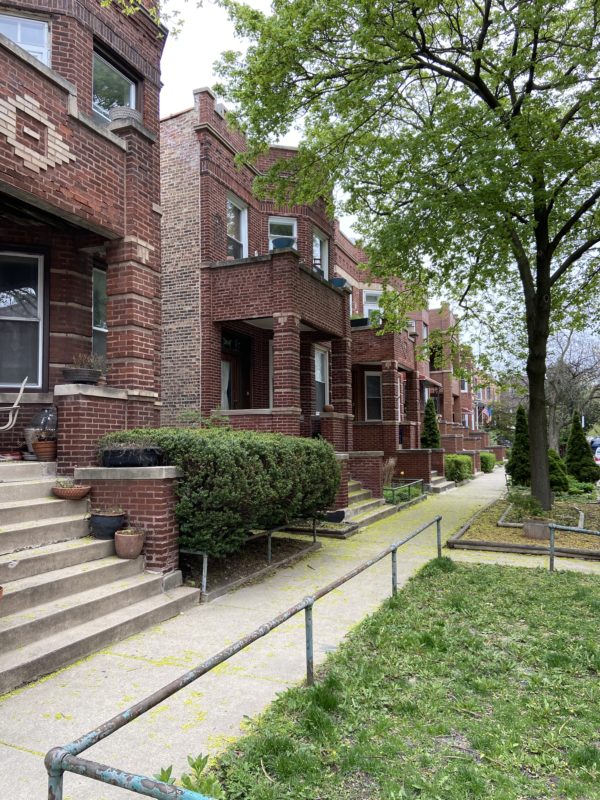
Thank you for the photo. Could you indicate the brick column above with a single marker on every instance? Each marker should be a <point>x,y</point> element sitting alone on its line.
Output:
<point>389,403</point>
<point>413,401</point>
<point>286,373</point>
<point>341,383</point>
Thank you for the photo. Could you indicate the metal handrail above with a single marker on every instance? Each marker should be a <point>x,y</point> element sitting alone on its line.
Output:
<point>66,759</point>
<point>552,547</point>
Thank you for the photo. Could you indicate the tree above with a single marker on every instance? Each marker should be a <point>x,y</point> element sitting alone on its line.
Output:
<point>579,458</point>
<point>431,430</point>
<point>559,482</point>
<point>519,463</point>
<point>464,135</point>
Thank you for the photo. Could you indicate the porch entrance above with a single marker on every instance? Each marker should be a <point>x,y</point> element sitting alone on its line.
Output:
<point>235,371</point>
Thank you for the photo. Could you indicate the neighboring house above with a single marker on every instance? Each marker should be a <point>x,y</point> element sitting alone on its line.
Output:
<point>79,214</point>
<point>253,329</point>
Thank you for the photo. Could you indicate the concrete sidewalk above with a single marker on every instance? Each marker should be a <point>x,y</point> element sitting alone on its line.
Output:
<point>208,714</point>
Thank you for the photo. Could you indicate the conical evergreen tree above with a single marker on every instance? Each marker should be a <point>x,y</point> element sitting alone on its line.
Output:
<point>519,465</point>
<point>559,481</point>
<point>579,458</point>
<point>430,437</point>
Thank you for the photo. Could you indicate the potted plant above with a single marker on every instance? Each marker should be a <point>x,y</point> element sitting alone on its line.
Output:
<point>87,368</point>
<point>66,489</point>
<point>105,522</point>
<point>143,453</point>
<point>45,446</point>
<point>129,542</point>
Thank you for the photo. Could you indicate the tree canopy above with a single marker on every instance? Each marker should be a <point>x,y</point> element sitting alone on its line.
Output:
<point>464,136</point>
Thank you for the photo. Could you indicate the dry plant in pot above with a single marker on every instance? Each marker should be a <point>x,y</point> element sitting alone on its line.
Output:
<point>129,542</point>
<point>66,489</point>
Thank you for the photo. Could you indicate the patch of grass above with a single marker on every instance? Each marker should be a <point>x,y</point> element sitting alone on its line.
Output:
<point>474,682</point>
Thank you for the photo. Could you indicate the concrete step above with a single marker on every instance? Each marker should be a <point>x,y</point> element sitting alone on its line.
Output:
<point>28,592</point>
<point>374,515</point>
<point>359,494</point>
<point>443,486</point>
<point>355,509</point>
<point>354,485</point>
<point>40,508</point>
<point>25,563</point>
<point>26,470</point>
<point>437,479</point>
<point>46,655</point>
<point>23,535</point>
<point>12,491</point>
<point>47,619</point>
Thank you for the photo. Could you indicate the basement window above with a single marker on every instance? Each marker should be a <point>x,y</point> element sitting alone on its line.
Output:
<point>112,87</point>
<point>30,34</point>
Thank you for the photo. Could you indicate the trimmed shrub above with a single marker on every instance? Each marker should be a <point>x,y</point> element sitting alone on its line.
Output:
<point>431,430</point>
<point>559,481</point>
<point>519,464</point>
<point>458,468</point>
<point>237,481</point>
<point>488,462</point>
<point>576,487</point>
<point>579,458</point>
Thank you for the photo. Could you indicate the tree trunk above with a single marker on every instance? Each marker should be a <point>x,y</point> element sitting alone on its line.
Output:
<point>553,428</point>
<point>538,330</point>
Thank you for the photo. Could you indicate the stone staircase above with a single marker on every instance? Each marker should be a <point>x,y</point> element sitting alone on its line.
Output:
<point>364,509</point>
<point>66,595</point>
<point>439,483</point>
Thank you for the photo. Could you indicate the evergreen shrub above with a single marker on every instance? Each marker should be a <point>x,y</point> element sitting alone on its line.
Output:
<point>430,437</point>
<point>488,462</point>
<point>519,464</point>
<point>559,481</point>
<point>579,458</point>
<point>235,481</point>
<point>458,468</point>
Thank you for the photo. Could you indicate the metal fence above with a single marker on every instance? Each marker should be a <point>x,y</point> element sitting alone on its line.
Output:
<point>403,491</point>
<point>552,547</point>
<point>67,758</point>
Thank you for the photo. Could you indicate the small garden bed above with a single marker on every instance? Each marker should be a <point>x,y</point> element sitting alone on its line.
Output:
<point>483,532</point>
<point>246,565</point>
<point>331,530</point>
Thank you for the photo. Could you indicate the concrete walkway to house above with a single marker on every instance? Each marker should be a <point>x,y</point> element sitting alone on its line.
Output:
<point>210,713</point>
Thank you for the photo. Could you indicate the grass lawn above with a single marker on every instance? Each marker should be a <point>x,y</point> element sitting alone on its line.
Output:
<point>475,682</point>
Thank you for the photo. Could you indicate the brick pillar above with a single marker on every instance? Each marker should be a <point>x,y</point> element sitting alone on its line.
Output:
<point>307,384</point>
<point>447,408</point>
<point>389,403</point>
<point>286,373</point>
<point>413,400</point>
<point>341,383</point>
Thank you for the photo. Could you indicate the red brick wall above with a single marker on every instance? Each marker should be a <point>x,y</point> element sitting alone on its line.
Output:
<point>341,498</point>
<point>414,464</point>
<point>437,461</point>
<point>150,506</point>
<point>368,469</point>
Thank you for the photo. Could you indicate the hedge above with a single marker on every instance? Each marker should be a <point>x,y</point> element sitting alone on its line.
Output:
<point>488,462</point>
<point>235,482</point>
<point>458,468</point>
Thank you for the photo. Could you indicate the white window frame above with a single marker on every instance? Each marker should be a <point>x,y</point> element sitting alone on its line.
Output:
<point>464,385</point>
<point>42,53</point>
<point>320,351</point>
<point>368,307</point>
<point>132,89</point>
<point>243,209</point>
<point>285,221</point>
<point>97,328</point>
<point>40,317</point>
<point>374,374</point>
<point>424,331</point>
<point>324,241</point>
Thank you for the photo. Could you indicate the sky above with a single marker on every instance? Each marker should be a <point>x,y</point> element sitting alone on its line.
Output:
<point>189,57</point>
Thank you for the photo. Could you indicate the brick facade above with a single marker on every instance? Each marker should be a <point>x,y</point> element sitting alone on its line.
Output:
<point>84,193</point>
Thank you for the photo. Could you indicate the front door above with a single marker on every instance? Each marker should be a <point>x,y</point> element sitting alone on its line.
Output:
<point>235,371</point>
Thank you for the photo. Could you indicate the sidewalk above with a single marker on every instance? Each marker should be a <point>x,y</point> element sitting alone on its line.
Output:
<point>205,716</point>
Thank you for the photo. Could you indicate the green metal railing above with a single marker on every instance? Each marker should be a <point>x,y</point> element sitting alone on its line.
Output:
<point>67,758</point>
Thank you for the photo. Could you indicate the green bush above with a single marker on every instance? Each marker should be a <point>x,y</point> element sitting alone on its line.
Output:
<point>430,438</point>
<point>579,458</point>
<point>519,465</point>
<point>237,481</point>
<point>458,468</point>
<point>577,487</point>
<point>525,505</point>
<point>488,462</point>
<point>559,481</point>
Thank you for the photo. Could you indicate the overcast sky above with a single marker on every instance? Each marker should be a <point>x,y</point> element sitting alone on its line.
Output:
<point>189,57</point>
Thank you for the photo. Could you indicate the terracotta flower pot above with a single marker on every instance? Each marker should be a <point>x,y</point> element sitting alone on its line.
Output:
<point>45,451</point>
<point>129,545</point>
<point>71,492</point>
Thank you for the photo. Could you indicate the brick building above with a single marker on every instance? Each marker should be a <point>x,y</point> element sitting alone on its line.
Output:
<point>79,215</point>
<point>253,328</point>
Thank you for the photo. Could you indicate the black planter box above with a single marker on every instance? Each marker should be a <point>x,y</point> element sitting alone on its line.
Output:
<point>104,526</point>
<point>81,375</point>
<point>131,457</point>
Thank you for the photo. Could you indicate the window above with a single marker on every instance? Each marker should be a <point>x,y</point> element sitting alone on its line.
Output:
<point>350,295</point>
<point>99,326</point>
<point>321,378</point>
<point>425,332</point>
<point>371,303</point>
<point>30,34</point>
<point>373,396</point>
<point>282,232</point>
<point>464,386</point>
<point>411,326</point>
<point>237,228</point>
<point>21,318</point>
<point>320,253</point>
<point>111,88</point>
